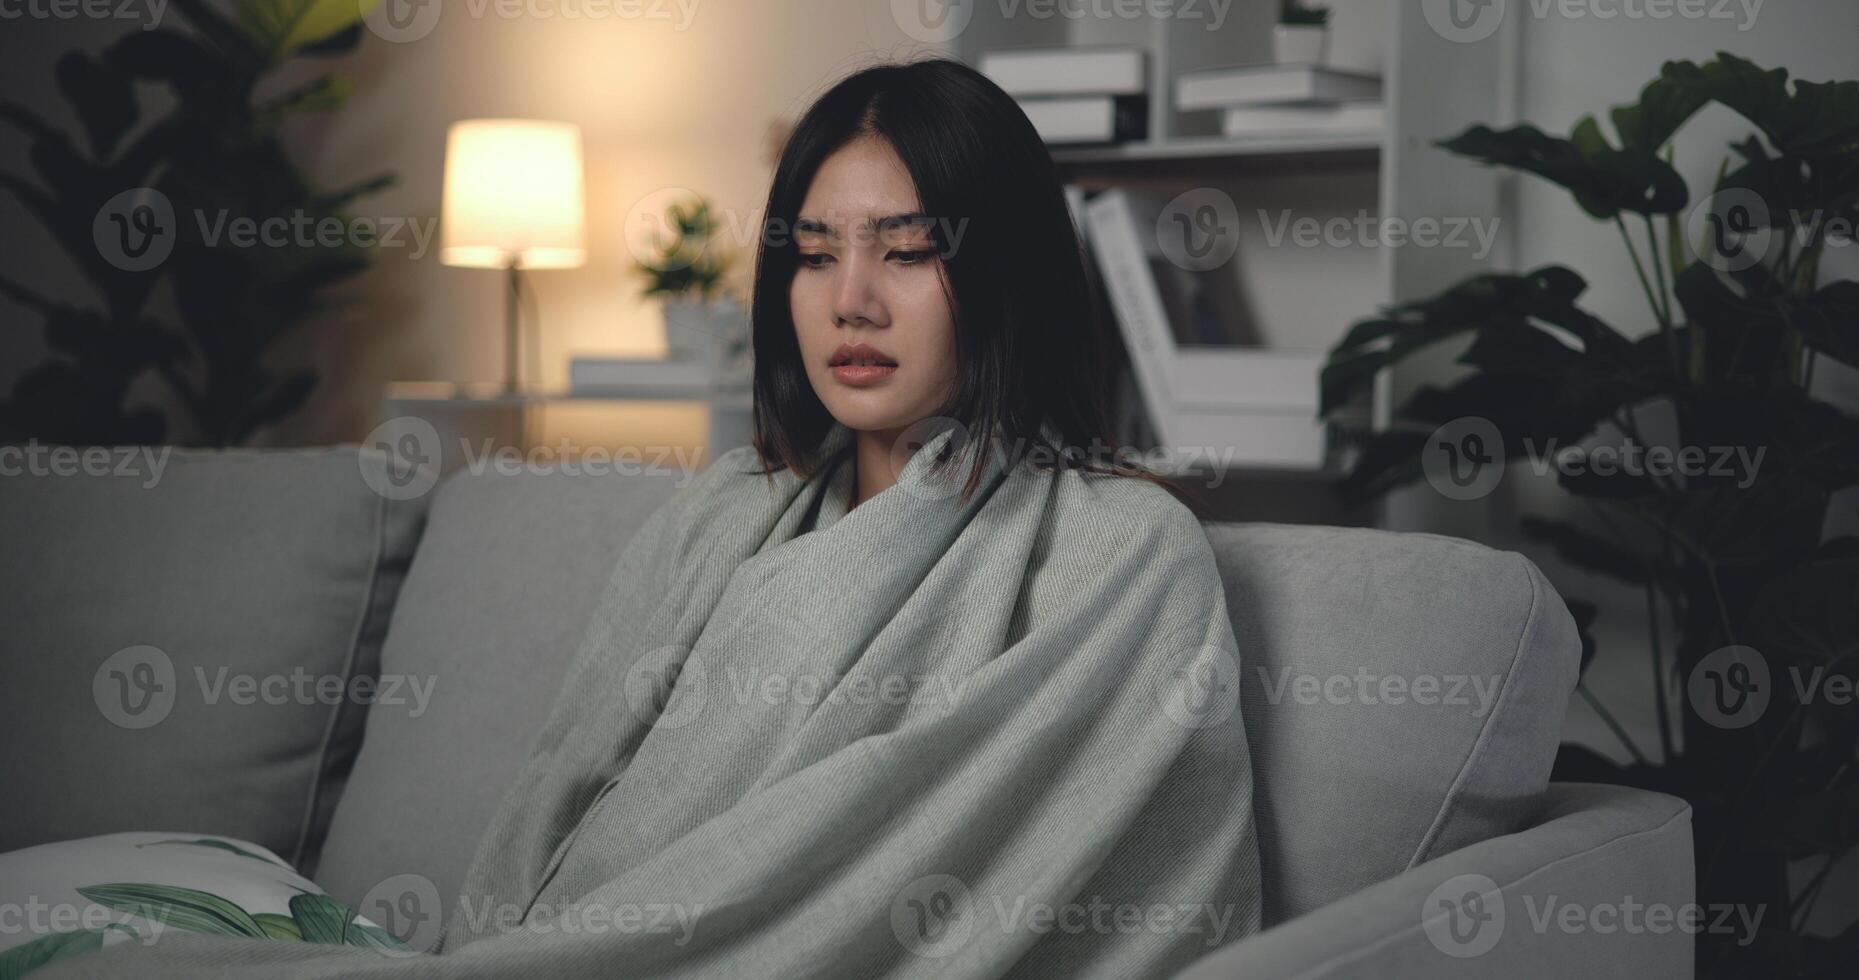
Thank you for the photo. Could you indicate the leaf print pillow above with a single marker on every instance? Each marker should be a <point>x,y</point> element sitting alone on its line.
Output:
<point>64,899</point>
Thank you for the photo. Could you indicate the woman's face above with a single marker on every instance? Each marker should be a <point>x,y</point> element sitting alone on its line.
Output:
<point>870,275</point>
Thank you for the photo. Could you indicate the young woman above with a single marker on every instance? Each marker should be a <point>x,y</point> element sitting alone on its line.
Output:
<point>919,684</point>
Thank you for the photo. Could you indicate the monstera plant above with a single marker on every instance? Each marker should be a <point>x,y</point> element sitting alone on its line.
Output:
<point>203,314</point>
<point>1765,606</point>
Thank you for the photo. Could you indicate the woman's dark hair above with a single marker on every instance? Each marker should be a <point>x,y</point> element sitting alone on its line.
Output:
<point>1031,350</point>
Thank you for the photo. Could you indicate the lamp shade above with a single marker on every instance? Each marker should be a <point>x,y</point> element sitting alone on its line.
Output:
<point>513,195</point>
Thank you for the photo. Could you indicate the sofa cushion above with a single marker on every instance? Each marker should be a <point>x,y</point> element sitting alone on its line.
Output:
<point>1403,695</point>
<point>181,634</point>
<point>495,605</point>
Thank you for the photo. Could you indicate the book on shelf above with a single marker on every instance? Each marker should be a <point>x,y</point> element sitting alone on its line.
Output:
<point>1089,118</point>
<point>1187,333</point>
<point>672,375</point>
<point>1219,88</point>
<point>1067,71</point>
<point>1303,118</point>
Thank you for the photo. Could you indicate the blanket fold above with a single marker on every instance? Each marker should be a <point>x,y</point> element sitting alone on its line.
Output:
<point>925,737</point>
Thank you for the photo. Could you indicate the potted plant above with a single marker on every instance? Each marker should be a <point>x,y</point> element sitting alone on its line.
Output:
<point>1749,596</point>
<point>183,124</point>
<point>685,272</point>
<point>1302,35</point>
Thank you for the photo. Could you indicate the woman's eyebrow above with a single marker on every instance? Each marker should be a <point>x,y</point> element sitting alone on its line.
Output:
<point>909,219</point>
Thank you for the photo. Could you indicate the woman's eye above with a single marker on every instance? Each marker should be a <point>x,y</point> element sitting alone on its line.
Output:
<point>906,256</point>
<point>814,260</point>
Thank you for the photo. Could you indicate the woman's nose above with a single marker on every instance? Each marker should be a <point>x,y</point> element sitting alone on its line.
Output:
<point>856,296</point>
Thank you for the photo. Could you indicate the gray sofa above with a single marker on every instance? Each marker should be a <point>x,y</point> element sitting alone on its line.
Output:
<point>1403,695</point>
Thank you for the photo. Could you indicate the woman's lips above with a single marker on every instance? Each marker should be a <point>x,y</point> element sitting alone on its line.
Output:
<point>861,375</point>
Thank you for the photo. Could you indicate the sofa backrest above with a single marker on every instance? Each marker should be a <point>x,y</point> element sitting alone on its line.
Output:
<point>1351,788</point>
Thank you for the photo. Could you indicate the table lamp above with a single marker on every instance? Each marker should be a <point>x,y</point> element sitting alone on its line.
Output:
<point>514,200</point>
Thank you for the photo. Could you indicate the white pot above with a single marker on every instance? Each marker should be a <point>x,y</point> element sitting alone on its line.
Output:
<point>1300,44</point>
<point>706,331</point>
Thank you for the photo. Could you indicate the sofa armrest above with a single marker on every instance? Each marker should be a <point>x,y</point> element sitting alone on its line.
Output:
<point>1603,886</point>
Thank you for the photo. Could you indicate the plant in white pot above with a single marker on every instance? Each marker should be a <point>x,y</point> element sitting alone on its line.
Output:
<point>1303,34</point>
<point>686,272</point>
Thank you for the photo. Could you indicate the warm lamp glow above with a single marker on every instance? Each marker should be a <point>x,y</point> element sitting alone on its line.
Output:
<point>513,195</point>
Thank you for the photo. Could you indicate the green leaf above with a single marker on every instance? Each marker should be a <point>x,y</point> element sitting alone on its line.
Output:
<point>21,960</point>
<point>1829,321</point>
<point>283,26</point>
<point>1774,519</point>
<point>179,908</point>
<point>221,845</point>
<point>1605,181</point>
<point>102,96</point>
<point>320,918</point>
<point>1664,107</point>
<point>1813,121</point>
<point>278,926</point>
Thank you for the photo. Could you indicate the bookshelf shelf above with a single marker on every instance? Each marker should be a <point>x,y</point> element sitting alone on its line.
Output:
<point>1364,145</point>
<point>1307,210</point>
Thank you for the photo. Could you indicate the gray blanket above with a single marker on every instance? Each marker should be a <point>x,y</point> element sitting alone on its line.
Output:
<point>922,738</point>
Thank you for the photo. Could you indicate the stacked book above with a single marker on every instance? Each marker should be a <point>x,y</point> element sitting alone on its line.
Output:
<point>1077,95</point>
<point>1285,100</point>
<point>1206,385</point>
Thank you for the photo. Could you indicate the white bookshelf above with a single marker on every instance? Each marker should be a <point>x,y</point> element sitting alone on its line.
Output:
<point>1305,297</point>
